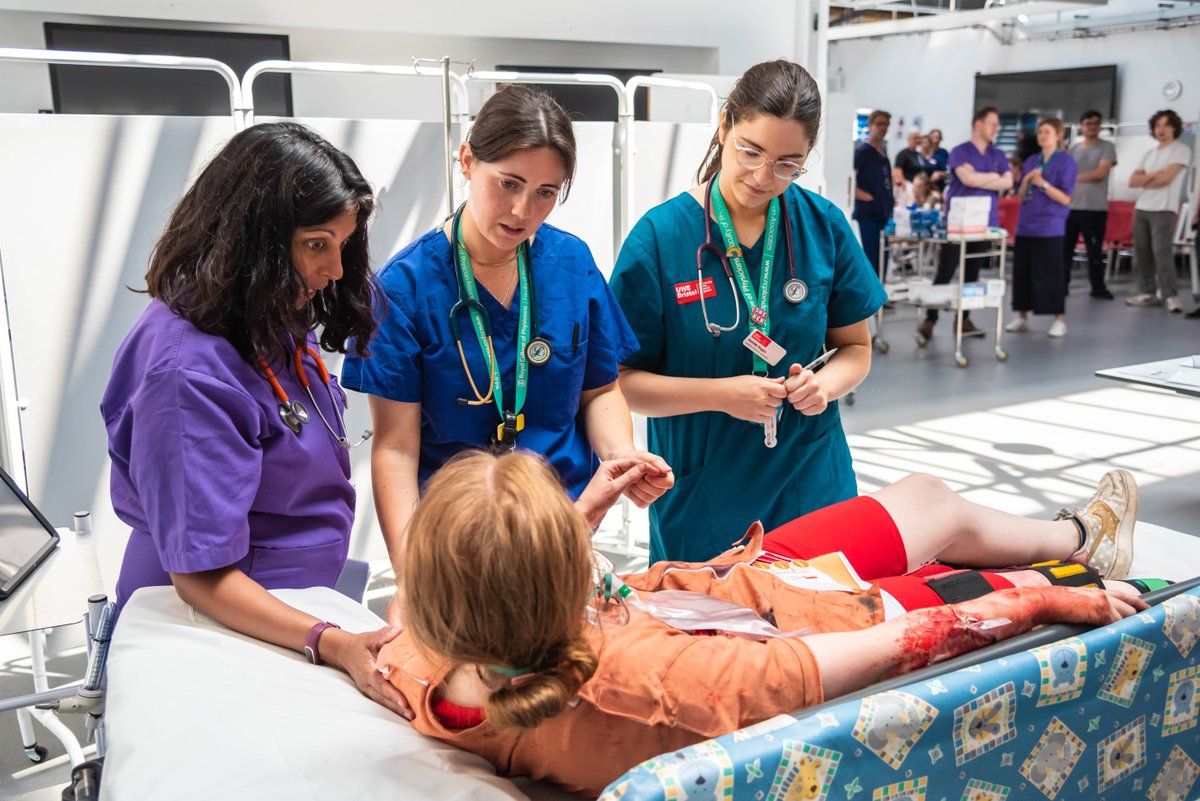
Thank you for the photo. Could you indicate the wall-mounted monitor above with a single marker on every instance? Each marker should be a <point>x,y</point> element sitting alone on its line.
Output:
<point>1068,92</point>
<point>126,90</point>
<point>590,102</point>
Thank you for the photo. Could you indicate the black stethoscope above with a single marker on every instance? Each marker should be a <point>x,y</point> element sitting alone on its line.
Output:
<point>538,350</point>
<point>794,290</point>
<point>293,413</point>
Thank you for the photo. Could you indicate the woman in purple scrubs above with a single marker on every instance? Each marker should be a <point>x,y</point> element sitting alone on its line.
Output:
<point>229,452</point>
<point>1039,280</point>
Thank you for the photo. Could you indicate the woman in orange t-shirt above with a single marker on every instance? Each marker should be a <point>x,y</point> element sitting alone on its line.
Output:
<point>521,649</point>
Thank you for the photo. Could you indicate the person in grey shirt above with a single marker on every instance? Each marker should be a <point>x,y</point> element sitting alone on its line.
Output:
<point>1095,158</point>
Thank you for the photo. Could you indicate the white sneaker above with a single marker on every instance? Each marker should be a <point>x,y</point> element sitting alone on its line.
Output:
<point>1173,304</point>
<point>1058,329</point>
<point>1144,299</point>
<point>1017,326</point>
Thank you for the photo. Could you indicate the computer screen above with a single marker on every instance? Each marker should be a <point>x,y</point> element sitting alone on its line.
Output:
<point>1066,92</point>
<point>26,537</point>
<point>138,90</point>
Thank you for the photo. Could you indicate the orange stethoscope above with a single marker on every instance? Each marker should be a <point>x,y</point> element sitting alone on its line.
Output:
<point>293,413</point>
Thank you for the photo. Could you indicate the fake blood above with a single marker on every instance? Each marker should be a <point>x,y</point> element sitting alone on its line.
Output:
<point>931,635</point>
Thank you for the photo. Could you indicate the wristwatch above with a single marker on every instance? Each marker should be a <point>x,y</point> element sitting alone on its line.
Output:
<point>311,650</point>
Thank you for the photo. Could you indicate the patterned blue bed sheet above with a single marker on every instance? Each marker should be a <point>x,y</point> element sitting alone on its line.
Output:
<point>1111,714</point>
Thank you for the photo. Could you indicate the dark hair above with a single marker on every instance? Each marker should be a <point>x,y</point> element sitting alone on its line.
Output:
<point>224,261</point>
<point>520,117</point>
<point>938,130</point>
<point>876,114</point>
<point>981,113</point>
<point>780,88</point>
<point>1173,120</point>
<point>1090,114</point>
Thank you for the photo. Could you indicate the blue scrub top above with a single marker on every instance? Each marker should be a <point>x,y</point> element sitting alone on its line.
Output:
<point>725,476</point>
<point>414,359</point>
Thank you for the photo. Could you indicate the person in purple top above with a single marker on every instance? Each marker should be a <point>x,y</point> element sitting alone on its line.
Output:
<point>229,452</point>
<point>977,169</point>
<point>1039,281</point>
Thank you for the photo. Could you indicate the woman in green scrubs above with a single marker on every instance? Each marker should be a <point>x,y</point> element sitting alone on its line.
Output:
<point>722,371</point>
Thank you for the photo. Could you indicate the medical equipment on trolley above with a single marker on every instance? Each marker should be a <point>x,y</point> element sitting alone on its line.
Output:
<point>293,413</point>
<point>532,347</point>
<point>794,291</point>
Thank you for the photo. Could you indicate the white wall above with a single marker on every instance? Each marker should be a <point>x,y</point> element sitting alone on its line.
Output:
<point>699,36</point>
<point>933,75</point>
<point>27,87</point>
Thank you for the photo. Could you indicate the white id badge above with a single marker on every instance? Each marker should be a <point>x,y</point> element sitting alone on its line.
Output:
<point>762,345</point>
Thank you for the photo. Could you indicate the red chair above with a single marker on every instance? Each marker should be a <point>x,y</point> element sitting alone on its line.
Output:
<point>1118,233</point>
<point>1009,209</point>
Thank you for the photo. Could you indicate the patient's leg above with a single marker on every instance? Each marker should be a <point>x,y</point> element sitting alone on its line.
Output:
<point>937,523</point>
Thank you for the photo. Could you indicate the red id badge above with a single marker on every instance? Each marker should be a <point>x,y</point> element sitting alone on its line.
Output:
<point>689,292</point>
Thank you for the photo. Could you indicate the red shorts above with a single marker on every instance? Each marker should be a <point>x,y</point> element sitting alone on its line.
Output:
<point>860,528</point>
<point>866,534</point>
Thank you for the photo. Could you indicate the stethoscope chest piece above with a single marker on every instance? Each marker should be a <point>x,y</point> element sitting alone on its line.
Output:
<point>538,351</point>
<point>795,291</point>
<point>294,415</point>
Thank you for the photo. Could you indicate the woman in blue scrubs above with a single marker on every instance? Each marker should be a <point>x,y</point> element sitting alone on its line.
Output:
<point>798,282</point>
<point>495,280</point>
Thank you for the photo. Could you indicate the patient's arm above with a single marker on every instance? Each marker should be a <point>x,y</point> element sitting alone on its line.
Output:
<point>231,597</point>
<point>852,660</point>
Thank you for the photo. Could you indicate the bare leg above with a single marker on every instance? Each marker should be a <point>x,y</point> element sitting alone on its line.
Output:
<point>937,523</point>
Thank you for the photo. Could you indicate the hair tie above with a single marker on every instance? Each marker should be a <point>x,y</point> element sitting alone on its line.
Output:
<point>512,673</point>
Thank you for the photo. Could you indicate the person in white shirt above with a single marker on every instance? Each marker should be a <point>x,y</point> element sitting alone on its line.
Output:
<point>1160,177</point>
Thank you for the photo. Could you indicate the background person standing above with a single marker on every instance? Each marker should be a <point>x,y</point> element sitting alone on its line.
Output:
<point>1160,176</point>
<point>1045,193</point>
<point>977,169</point>
<point>873,199</point>
<point>1094,158</point>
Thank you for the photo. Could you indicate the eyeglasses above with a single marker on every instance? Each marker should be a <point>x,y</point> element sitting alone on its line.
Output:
<point>753,159</point>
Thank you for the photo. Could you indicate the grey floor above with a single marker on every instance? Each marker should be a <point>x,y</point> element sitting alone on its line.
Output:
<point>991,428</point>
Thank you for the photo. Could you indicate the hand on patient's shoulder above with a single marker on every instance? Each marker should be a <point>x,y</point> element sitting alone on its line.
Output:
<point>356,654</point>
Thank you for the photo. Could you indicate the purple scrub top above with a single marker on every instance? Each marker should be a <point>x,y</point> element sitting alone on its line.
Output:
<point>208,475</point>
<point>1041,216</point>
<point>992,159</point>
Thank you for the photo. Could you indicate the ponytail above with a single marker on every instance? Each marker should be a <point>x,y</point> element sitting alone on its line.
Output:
<point>525,701</point>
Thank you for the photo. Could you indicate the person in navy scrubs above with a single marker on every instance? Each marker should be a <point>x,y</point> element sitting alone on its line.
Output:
<point>747,428</point>
<point>500,332</point>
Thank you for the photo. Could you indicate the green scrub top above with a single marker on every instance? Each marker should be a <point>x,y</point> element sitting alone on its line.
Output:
<point>725,477</point>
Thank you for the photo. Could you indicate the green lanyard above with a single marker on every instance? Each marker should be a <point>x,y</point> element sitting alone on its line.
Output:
<point>757,306</point>
<point>514,421</point>
<point>1044,162</point>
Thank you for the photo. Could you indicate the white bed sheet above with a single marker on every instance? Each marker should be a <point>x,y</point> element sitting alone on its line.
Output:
<point>196,711</point>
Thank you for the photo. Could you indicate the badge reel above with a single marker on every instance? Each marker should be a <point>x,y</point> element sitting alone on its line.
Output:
<point>504,438</point>
<point>294,415</point>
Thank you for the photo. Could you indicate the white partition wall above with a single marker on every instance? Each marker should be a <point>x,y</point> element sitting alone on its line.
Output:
<point>664,162</point>
<point>590,211</point>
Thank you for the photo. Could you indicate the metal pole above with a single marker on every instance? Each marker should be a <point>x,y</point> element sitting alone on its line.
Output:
<point>127,60</point>
<point>446,129</point>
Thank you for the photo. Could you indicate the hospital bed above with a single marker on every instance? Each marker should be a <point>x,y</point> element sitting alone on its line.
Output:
<point>196,711</point>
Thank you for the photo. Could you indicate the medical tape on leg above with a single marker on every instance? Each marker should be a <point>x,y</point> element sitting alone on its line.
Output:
<point>958,587</point>
<point>1069,574</point>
